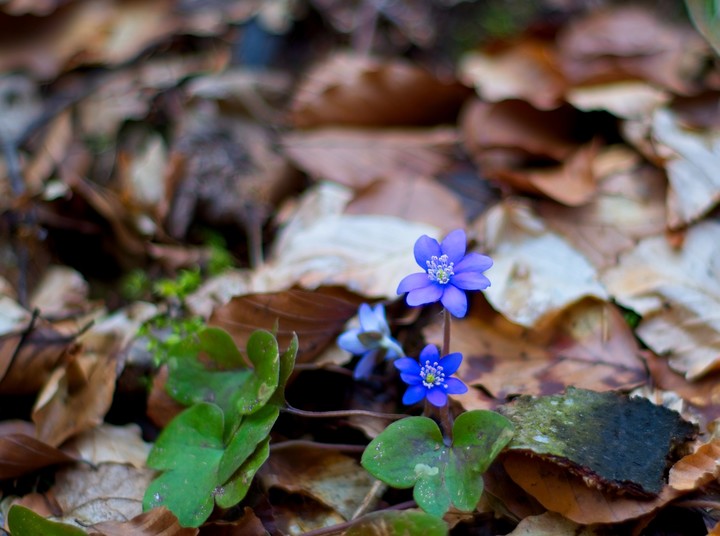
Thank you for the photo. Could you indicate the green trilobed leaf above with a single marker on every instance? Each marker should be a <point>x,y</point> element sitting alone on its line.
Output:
<point>263,353</point>
<point>24,522</point>
<point>189,449</point>
<point>235,489</point>
<point>411,452</point>
<point>406,523</point>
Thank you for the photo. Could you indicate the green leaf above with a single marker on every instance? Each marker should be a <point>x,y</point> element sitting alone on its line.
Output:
<point>411,452</point>
<point>189,449</point>
<point>221,348</point>
<point>255,428</point>
<point>24,522</point>
<point>405,523</point>
<point>235,489</point>
<point>263,353</point>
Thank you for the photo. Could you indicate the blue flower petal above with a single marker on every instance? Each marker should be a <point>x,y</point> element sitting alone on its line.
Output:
<point>454,300</point>
<point>411,379</point>
<point>473,262</point>
<point>413,282</point>
<point>426,247</point>
<point>407,365</point>
<point>450,363</point>
<point>429,353</point>
<point>414,393</point>
<point>470,281</point>
<point>369,319</point>
<point>436,396</point>
<point>349,342</point>
<point>428,294</point>
<point>364,367</point>
<point>454,245</point>
<point>455,386</point>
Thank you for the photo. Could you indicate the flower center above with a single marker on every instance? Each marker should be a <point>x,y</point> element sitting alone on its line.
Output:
<point>439,269</point>
<point>432,375</point>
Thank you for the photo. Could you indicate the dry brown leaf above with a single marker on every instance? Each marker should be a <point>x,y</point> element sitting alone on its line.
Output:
<point>418,199</point>
<point>349,89</point>
<point>697,469</point>
<point>247,525</point>
<point>357,158</point>
<point>559,491</point>
<point>526,70</point>
<point>333,479</point>
<point>516,125</point>
<point>108,492</point>
<point>629,206</point>
<point>316,317</point>
<point>537,273</point>
<point>630,42</point>
<point>552,524</point>
<point>677,292</point>
<point>571,183</point>
<point>61,292</point>
<point>156,522</point>
<point>21,453</point>
<point>75,398</point>
<point>590,346</point>
<point>692,160</point>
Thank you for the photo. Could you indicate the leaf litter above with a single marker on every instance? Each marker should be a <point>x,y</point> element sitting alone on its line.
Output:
<point>143,142</point>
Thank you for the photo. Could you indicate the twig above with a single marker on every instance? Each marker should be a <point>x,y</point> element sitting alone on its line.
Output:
<point>340,447</point>
<point>342,413</point>
<point>340,528</point>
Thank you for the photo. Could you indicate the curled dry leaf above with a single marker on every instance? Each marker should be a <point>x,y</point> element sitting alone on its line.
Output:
<point>677,292</point>
<point>357,158</point>
<point>630,42</point>
<point>537,273</point>
<point>627,99</point>
<point>526,69</point>
<point>697,469</point>
<point>21,453</point>
<point>349,89</point>
<point>692,160</point>
<point>559,491</point>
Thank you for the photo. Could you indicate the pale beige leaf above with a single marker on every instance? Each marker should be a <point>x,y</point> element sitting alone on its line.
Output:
<point>537,273</point>
<point>693,161</point>
<point>626,99</point>
<point>552,524</point>
<point>677,292</point>
<point>109,443</point>
<point>61,291</point>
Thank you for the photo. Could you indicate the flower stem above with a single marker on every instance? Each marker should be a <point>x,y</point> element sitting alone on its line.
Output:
<point>445,418</point>
<point>446,332</point>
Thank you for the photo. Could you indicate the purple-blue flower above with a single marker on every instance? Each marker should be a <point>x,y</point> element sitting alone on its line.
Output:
<point>430,378</point>
<point>448,273</point>
<point>370,340</point>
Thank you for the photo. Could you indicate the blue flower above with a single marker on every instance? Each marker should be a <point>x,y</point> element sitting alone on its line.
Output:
<point>370,340</point>
<point>448,273</point>
<point>430,378</point>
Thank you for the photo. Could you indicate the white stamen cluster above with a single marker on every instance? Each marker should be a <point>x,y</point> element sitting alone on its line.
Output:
<point>439,269</point>
<point>432,375</point>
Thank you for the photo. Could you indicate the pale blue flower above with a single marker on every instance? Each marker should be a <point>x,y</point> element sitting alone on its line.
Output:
<point>430,377</point>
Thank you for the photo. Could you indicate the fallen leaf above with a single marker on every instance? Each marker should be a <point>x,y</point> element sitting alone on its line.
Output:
<point>552,524</point>
<point>351,89</point>
<point>418,199</point>
<point>564,493</point>
<point>691,161</point>
<point>357,158</point>
<point>156,522</point>
<point>677,293</point>
<point>109,492</point>
<point>629,42</point>
<point>525,69</point>
<point>697,469</point>
<point>537,273</point>
<point>316,317</point>
<point>335,480</point>
<point>75,398</point>
<point>626,99</point>
<point>109,443</point>
<point>21,453</point>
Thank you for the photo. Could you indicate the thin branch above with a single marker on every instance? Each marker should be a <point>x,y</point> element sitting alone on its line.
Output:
<point>342,413</point>
<point>339,447</point>
<point>340,528</point>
